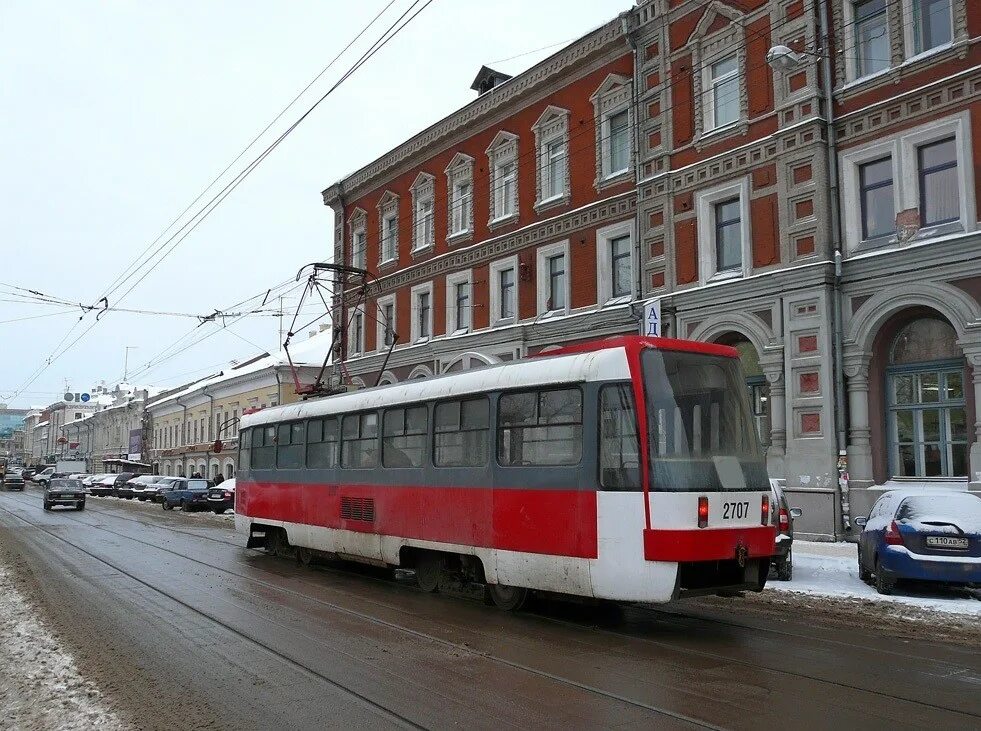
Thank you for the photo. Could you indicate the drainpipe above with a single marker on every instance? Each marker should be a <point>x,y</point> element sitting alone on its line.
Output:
<point>827,83</point>
<point>279,386</point>
<point>211,412</point>
<point>183,435</point>
<point>638,167</point>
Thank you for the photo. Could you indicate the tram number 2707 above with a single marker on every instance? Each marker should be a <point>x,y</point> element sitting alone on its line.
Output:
<point>734,511</point>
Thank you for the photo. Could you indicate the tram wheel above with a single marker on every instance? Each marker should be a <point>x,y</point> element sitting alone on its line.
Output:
<point>508,598</point>
<point>428,569</point>
<point>273,542</point>
<point>304,556</point>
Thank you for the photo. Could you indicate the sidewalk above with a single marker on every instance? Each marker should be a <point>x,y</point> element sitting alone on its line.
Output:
<point>831,570</point>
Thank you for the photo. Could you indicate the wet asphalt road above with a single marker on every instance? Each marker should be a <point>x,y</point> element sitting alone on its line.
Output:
<point>184,628</point>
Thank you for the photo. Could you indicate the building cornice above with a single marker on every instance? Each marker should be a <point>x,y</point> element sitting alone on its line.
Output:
<point>482,109</point>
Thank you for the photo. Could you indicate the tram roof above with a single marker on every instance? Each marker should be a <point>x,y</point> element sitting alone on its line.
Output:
<point>601,360</point>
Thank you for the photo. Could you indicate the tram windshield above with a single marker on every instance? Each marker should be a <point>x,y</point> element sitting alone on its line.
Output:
<point>701,432</point>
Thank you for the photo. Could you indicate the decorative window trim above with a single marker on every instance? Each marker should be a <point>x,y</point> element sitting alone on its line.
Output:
<point>423,188</point>
<point>552,125</point>
<point>850,44</point>
<point>502,150</point>
<point>708,49</point>
<point>909,31</point>
<point>460,170</point>
<point>357,344</point>
<point>452,280</point>
<point>358,224</point>
<point>704,205</point>
<point>388,206</point>
<point>612,97</point>
<point>380,325</point>
<point>604,263</point>
<point>906,194</point>
<point>496,267</point>
<point>543,255</point>
<point>427,287</point>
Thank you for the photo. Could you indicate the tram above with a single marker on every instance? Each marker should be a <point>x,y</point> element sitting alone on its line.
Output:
<point>626,469</point>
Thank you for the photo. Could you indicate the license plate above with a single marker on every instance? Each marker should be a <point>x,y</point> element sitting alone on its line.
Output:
<point>947,542</point>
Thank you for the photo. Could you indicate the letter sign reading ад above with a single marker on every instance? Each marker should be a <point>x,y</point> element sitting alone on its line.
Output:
<point>651,326</point>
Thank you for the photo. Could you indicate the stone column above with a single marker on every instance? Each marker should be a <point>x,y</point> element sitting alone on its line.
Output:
<point>773,372</point>
<point>859,448</point>
<point>973,355</point>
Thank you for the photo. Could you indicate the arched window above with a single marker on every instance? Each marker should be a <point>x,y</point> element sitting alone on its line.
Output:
<point>759,390</point>
<point>229,470</point>
<point>927,413</point>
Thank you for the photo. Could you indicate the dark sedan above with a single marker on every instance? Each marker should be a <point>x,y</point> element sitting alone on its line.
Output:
<point>64,492</point>
<point>222,497</point>
<point>13,481</point>
<point>922,536</point>
<point>783,518</point>
<point>121,487</point>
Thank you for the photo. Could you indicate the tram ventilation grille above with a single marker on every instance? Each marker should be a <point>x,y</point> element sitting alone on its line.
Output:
<point>358,508</point>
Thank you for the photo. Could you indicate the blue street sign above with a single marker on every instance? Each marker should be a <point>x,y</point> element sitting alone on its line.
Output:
<point>85,397</point>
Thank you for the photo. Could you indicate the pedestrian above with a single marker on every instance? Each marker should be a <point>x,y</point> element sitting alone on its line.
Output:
<point>219,479</point>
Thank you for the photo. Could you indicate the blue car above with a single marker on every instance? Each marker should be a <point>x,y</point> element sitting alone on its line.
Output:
<point>924,536</point>
<point>188,494</point>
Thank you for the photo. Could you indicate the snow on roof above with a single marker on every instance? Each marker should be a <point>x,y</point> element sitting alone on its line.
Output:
<point>42,423</point>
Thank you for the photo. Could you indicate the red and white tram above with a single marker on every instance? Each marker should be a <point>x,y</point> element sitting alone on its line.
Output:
<point>540,474</point>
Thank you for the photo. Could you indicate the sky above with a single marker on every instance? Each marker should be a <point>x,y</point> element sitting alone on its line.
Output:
<point>115,115</point>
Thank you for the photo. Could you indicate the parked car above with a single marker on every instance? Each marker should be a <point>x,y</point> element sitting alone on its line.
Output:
<point>65,492</point>
<point>119,488</point>
<point>13,481</point>
<point>222,497</point>
<point>127,488</point>
<point>782,516</point>
<point>140,484</point>
<point>924,536</point>
<point>28,473</point>
<point>44,476</point>
<point>103,487</point>
<point>190,494</point>
<point>87,482</point>
<point>165,485</point>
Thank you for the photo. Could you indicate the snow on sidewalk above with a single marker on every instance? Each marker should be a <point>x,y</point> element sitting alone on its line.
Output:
<point>831,569</point>
<point>40,686</point>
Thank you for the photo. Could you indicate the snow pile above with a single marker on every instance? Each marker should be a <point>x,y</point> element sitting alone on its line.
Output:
<point>40,686</point>
<point>831,569</point>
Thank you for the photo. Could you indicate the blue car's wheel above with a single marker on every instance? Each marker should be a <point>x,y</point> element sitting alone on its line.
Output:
<point>883,584</point>
<point>863,573</point>
<point>166,505</point>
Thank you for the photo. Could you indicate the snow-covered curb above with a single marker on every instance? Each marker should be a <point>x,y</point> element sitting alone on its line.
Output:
<point>40,685</point>
<point>831,570</point>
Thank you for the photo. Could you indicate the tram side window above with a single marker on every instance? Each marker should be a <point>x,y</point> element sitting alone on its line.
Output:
<point>540,428</point>
<point>359,440</point>
<point>245,449</point>
<point>289,450</point>
<point>404,437</point>
<point>460,434</point>
<point>619,446</point>
<point>322,443</point>
<point>264,448</point>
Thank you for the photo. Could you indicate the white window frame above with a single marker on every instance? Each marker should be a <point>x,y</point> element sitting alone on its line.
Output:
<point>389,238</point>
<point>359,226</point>
<point>452,280</point>
<point>459,172</point>
<point>357,344</point>
<point>909,31</point>
<point>427,288</point>
<point>552,126</point>
<point>611,98</point>
<point>496,268</point>
<point>544,284</point>
<point>851,42</point>
<point>502,151</point>
<point>604,262</point>
<point>423,191</point>
<point>903,146</point>
<point>708,93</point>
<point>705,207</point>
<point>388,208</point>
<point>381,303</point>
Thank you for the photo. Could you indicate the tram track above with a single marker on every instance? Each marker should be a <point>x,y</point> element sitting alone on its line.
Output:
<point>352,613</point>
<point>469,650</point>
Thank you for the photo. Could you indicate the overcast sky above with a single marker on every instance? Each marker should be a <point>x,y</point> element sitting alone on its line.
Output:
<point>114,116</point>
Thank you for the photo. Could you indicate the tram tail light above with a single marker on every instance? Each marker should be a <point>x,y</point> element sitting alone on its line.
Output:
<point>892,536</point>
<point>703,512</point>
<point>765,510</point>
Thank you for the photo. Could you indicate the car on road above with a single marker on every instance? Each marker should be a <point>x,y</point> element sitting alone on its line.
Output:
<point>28,473</point>
<point>782,517</point>
<point>13,481</point>
<point>64,492</point>
<point>145,486</point>
<point>44,476</point>
<point>106,486</point>
<point>89,481</point>
<point>924,536</point>
<point>222,497</point>
<point>190,494</point>
<point>119,484</point>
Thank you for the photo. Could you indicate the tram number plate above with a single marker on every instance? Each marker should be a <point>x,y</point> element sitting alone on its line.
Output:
<point>946,542</point>
<point>735,511</point>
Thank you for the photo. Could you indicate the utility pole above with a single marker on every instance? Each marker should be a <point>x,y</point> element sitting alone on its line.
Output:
<point>126,361</point>
<point>280,320</point>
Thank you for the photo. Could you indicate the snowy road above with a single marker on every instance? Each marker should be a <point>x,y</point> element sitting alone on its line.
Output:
<point>178,626</point>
